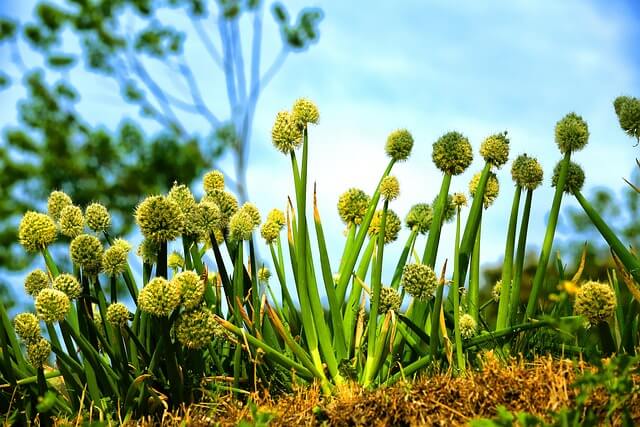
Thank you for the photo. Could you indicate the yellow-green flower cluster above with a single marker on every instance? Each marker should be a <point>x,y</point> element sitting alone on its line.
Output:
<point>495,291</point>
<point>190,287</point>
<point>36,231</point>
<point>399,145</point>
<point>575,177</point>
<point>264,274</point>
<point>270,230</point>
<point>420,281</point>
<point>353,205</point>
<point>27,326</point>
<point>38,352</point>
<point>459,200</point>
<point>114,260</point>
<point>391,228</point>
<point>419,218</point>
<point>390,188</point>
<point>36,281</point>
<point>207,219</point>
<point>495,149</point>
<point>182,196</point>
<point>304,111</point>
<point>159,219</point>
<point>195,329</point>
<point>595,301</point>
<point>86,251</point>
<point>98,218</point>
<point>227,204</point>
<point>175,261</point>
<point>286,134</point>
<point>468,326</point>
<point>159,297</point>
<point>491,189</point>
<point>68,284</point>
<point>526,172</point>
<point>213,181</point>
<point>452,153</point>
<point>241,225</point>
<point>52,305</point>
<point>58,200</point>
<point>390,300</point>
<point>572,133</point>
<point>148,251</point>
<point>118,314</point>
<point>71,221</point>
<point>628,112</point>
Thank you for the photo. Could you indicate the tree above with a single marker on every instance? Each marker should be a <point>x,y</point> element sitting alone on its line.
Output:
<point>55,147</point>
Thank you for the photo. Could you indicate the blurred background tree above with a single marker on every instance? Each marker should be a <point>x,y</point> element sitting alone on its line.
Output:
<point>55,146</point>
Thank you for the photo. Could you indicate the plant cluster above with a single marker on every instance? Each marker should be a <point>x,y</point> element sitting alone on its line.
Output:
<point>207,318</point>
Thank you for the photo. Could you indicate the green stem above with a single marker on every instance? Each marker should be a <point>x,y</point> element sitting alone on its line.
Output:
<point>545,253</point>
<point>433,240</point>
<point>514,301</point>
<point>456,298</point>
<point>507,266</point>
<point>474,277</point>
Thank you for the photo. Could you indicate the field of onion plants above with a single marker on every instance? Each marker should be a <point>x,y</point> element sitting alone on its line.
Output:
<point>207,317</point>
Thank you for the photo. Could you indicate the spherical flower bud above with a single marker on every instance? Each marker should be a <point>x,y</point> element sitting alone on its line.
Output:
<point>208,218</point>
<point>491,189</point>
<point>71,221</point>
<point>270,231</point>
<point>98,218</point>
<point>36,231</point>
<point>253,212</point>
<point>468,326</point>
<point>114,260</point>
<point>575,177</point>
<point>68,284</point>
<point>353,205</point>
<point>628,112</point>
<point>175,261</point>
<point>452,153</point>
<point>38,352</point>
<point>212,181</point>
<point>495,149</point>
<point>148,251</point>
<point>27,326</point>
<point>459,200</point>
<point>391,227</point>
<point>595,301</point>
<point>264,274</point>
<point>449,212</point>
<point>191,288</point>
<point>304,111</point>
<point>495,291</point>
<point>159,218</point>
<point>285,134</point>
<point>572,133</point>
<point>52,305</point>
<point>159,297</point>
<point>277,216</point>
<point>399,145</point>
<point>420,281</point>
<point>526,172</point>
<point>419,218</point>
<point>195,329</point>
<point>57,201</point>
<point>182,196</point>
<point>226,202</point>
<point>125,245</point>
<point>118,314</point>
<point>241,226</point>
<point>390,300</point>
<point>86,252</point>
<point>36,281</point>
<point>390,188</point>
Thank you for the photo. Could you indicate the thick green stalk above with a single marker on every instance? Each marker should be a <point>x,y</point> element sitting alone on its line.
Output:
<point>474,277</point>
<point>434,337</point>
<point>507,266</point>
<point>473,222</point>
<point>545,253</point>
<point>631,263</point>
<point>514,300</point>
<point>456,298</point>
<point>352,256</point>
<point>376,285</point>
<point>433,240</point>
<point>397,275</point>
<point>238,286</point>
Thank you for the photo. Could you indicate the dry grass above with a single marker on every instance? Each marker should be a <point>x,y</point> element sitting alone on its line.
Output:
<point>441,400</point>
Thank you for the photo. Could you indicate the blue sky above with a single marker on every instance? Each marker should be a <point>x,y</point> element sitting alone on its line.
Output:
<point>478,67</point>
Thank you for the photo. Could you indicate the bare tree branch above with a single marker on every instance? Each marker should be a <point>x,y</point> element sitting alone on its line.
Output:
<point>236,46</point>
<point>206,42</point>
<point>196,94</point>
<point>228,63</point>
